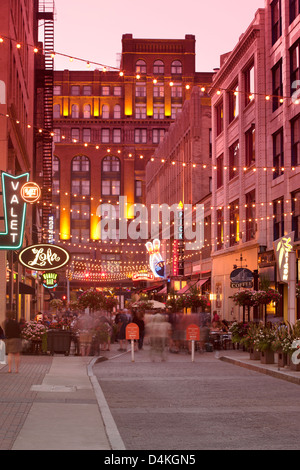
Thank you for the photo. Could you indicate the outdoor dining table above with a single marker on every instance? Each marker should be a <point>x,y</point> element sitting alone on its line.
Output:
<point>220,339</point>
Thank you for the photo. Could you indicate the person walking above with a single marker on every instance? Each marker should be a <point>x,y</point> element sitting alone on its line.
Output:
<point>13,341</point>
<point>138,320</point>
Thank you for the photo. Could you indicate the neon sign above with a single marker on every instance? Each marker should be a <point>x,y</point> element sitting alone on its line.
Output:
<point>156,262</point>
<point>14,211</point>
<point>44,257</point>
<point>50,280</point>
<point>30,192</point>
<point>143,276</point>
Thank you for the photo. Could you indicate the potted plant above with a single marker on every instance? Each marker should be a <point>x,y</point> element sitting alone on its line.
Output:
<point>249,341</point>
<point>264,343</point>
<point>238,331</point>
<point>281,336</point>
<point>36,334</point>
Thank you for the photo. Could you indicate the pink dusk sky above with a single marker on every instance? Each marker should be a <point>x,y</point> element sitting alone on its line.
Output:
<point>93,29</point>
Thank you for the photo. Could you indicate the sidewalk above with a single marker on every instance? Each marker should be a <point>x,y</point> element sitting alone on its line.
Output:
<point>56,403</point>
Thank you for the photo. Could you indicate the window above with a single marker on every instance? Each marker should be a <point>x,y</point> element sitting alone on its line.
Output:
<point>296,141</point>
<point>105,91</point>
<point>116,136</point>
<point>158,112</point>
<point>117,111</point>
<point>86,135</point>
<point>233,159</point>
<point>294,9</point>
<point>176,90</point>
<point>158,135</point>
<point>140,90</point>
<point>110,164</point>
<point>80,234</point>
<point>294,66</point>
<point>57,90</point>
<point>278,155</point>
<point>75,111</point>
<point>75,90</point>
<point>75,135</point>
<point>140,112</point>
<point>138,188</point>
<point>140,136</point>
<point>220,228</point>
<point>56,137</point>
<point>278,218</point>
<point>277,85</point>
<point>233,103</point>
<point>56,111</point>
<point>87,111</point>
<point>80,211</point>
<point>158,67</point>
<point>117,91</point>
<point>175,109</point>
<point>105,136</point>
<point>105,111</point>
<point>220,168</point>
<point>111,187</point>
<point>80,187</point>
<point>249,84</point>
<point>220,116</point>
<point>158,90</point>
<point>210,143</point>
<point>234,223</point>
<point>250,216</point>
<point>250,146</point>
<point>176,67</point>
<point>87,90</point>
<point>140,67</point>
<point>55,176</point>
<point>296,214</point>
<point>81,164</point>
<point>276,20</point>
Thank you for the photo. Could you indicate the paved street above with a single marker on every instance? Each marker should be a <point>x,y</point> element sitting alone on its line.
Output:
<point>208,404</point>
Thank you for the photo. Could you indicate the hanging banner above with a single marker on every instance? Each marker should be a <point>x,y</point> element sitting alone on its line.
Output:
<point>282,247</point>
<point>14,208</point>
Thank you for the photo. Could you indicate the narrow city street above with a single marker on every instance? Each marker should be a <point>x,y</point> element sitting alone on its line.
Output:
<point>202,405</point>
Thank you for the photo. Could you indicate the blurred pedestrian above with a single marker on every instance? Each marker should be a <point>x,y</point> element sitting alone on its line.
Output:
<point>13,341</point>
<point>121,321</point>
<point>138,320</point>
<point>85,326</point>
<point>204,336</point>
<point>159,331</point>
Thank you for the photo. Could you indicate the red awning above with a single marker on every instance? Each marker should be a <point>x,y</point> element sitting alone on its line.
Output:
<point>185,289</point>
<point>201,282</point>
<point>163,291</point>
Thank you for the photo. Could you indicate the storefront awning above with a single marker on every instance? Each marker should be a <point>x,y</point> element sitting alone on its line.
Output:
<point>201,282</point>
<point>185,289</point>
<point>149,289</point>
<point>26,289</point>
<point>163,291</point>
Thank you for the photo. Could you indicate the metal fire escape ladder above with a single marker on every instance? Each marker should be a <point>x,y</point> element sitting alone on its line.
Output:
<point>46,14</point>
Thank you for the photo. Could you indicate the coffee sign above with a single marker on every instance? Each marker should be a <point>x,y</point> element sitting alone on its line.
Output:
<point>44,257</point>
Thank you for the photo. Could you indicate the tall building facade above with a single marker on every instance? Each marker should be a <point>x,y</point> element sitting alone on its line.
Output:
<point>180,173</point>
<point>107,125</point>
<point>255,176</point>
<point>18,37</point>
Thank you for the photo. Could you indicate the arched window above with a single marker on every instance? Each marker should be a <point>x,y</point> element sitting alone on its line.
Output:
<point>117,111</point>
<point>105,111</point>
<point>111,176</point>
<point>140,66</point>
<point>75,111</point>
<point>176,67</point>
<point>87,111</point>
<point>158,67</point>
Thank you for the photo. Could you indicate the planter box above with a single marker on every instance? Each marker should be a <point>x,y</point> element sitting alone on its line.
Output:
<point>254,354</point>
<point>282,359</point>
<point>267,357</point>
<point>59,341</point>
<point>294,366</point>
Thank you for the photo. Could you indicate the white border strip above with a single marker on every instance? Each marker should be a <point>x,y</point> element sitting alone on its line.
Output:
<point>112,431</point>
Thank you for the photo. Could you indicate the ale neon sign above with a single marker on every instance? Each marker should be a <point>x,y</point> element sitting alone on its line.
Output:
<point>14,208</point>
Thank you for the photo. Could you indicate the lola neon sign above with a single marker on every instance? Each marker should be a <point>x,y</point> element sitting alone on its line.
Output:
<point>14,211</point>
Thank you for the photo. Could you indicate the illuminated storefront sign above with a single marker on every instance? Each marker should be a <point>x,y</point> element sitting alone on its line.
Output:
<point>143,276</point>
<point>156,262</point>
<point>50,280</point>
<point>178,244</point>
<point>282,247</point>
<point>30,192</point>
<point>14,208</point>
<point>44,257</point>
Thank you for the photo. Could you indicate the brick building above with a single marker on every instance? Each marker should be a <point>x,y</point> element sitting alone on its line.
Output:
<point>107,125</point>
<point>255,178</point>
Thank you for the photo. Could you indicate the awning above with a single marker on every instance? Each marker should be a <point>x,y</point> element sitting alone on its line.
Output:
<point>26,289</point>
<point>185,289</point>
<point>201,282</point>
<point>149,289</point>
<point>163,291</point>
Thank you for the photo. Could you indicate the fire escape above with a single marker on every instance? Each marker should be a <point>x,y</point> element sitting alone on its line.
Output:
<point>46,15</point>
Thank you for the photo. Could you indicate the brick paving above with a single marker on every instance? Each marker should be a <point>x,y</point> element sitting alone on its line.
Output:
<point>16,398</point>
